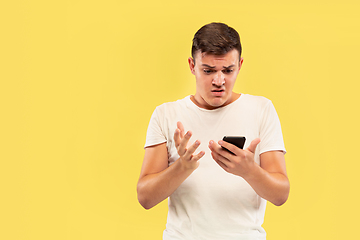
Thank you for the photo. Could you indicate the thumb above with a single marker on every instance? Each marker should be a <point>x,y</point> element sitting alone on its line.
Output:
<point>180,126</point>
<point>253,145</point>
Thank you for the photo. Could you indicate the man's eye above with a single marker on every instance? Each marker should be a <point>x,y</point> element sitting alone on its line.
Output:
<point>207,71</point>
<point>228,71</point>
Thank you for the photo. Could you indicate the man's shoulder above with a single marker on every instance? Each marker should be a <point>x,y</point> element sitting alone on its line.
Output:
<point>254,99</point>
<point>173,105</point>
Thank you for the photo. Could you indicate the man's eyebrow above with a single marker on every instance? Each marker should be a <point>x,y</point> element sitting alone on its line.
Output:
<point>208,66</point>
<point>232,65</point>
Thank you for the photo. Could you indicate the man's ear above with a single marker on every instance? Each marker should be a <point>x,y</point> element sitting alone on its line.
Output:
<point>241,62</point>
<point>191,65</point>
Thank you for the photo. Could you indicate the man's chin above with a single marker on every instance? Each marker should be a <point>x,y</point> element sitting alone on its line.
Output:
<point>217,103</point>
<point>210,102</point>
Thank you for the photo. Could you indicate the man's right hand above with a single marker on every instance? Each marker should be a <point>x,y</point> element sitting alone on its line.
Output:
<point>157,179</point>
<point>187,157</point>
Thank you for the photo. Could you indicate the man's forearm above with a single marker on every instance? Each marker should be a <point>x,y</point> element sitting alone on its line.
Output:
<point>274,187</point>
<point>154,188</point>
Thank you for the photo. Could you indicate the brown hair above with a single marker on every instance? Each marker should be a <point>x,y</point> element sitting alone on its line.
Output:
<point>217,39</point>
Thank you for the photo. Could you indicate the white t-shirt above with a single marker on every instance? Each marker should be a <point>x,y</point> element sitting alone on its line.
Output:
<point>211,203</point>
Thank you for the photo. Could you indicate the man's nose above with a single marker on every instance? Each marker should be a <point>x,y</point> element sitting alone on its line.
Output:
<point>219,79</point>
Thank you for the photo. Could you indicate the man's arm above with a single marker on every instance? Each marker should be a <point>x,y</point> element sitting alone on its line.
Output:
<point>269,180</point>
<point>158,180</point>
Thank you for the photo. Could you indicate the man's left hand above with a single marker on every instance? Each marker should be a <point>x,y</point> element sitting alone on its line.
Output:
<point>240,163</point>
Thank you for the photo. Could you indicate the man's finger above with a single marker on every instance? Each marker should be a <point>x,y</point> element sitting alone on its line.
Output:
<point>198,156</point>
<point>218,157</point>
<point>183,143</point>
<point>253,145</point>
<point>190,151</point>
<point>180,126</point>
<point>177,138</point>
<point>222,164</point>
<point>226,149</point>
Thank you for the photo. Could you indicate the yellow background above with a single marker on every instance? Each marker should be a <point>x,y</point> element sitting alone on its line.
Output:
<point>80,79</point>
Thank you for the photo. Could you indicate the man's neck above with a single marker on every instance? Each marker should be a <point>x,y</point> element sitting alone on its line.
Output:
<point>233,98</point>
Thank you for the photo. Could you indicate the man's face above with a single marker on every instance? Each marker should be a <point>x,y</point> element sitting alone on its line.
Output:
<point>215,78</point>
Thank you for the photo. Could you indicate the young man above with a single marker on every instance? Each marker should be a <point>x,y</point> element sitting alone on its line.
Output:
<point>214,194</point>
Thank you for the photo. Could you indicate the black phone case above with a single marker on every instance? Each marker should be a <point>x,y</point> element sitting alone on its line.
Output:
<point>237,141</point>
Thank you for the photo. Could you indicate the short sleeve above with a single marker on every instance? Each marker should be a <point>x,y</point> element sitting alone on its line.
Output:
<point>155,134</point>
<point>270,130</point>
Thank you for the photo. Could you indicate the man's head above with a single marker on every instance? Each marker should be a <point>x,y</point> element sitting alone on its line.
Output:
<point>216,62</point>
<point>216,39</point>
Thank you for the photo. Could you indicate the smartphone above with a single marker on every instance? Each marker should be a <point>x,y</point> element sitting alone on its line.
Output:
<point>237,141</point>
